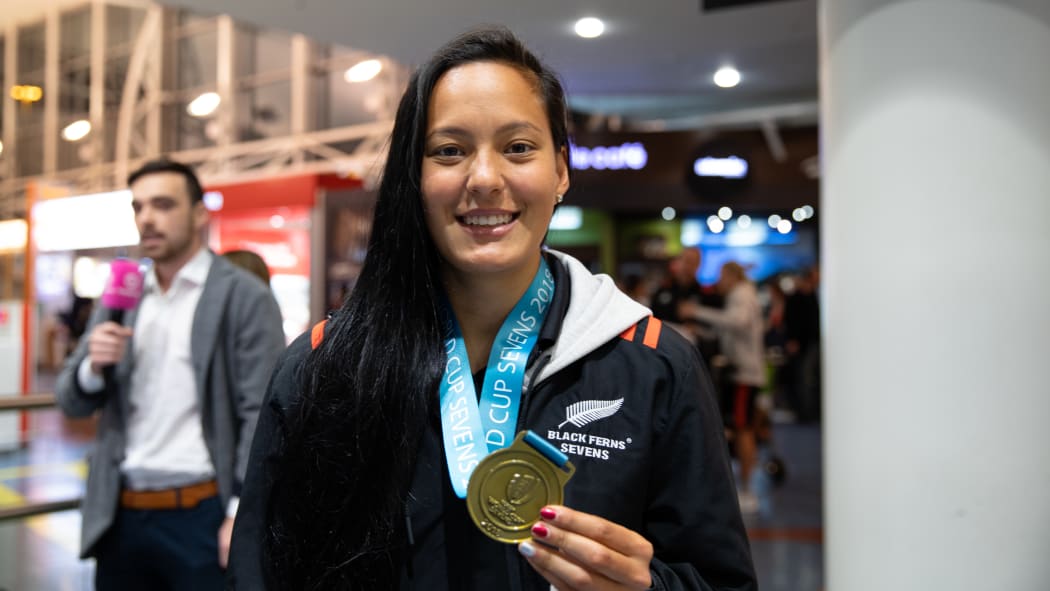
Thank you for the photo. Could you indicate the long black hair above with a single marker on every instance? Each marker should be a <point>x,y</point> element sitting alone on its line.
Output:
<point>336,510</point>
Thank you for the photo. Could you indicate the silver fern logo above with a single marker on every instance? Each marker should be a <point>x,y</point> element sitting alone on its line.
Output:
<point>588,411</point>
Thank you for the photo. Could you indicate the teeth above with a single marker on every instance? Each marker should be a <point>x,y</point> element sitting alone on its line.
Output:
<point>487,220</point>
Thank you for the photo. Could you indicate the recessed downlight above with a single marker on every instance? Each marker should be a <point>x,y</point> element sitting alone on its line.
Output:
<point>727,77</point>
<point>363,71</point>
<point>590,27</point>
<point>204,105</point>
<point>76,130</point>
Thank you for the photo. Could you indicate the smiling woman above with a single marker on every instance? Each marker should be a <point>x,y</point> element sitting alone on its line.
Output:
<point>585,434</point>
<point>491,174</point>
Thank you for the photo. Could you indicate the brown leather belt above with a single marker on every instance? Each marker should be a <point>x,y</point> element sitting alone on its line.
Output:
<point>186,497</point>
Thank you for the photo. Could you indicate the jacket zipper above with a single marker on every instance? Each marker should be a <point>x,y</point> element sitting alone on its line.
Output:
<point>542,359</point>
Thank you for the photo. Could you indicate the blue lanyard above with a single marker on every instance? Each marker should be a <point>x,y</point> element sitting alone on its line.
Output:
<point>472,430</point>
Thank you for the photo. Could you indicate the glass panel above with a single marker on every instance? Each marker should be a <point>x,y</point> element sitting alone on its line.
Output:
<point>343,103</point>
<point>263,112</point>
<point>196,60</point>
<point>30,147</point>
<point>30,50</point>
<point>189,20</point>
<point>261,51</point>
<point>109,136</point>
<point>75,92</point>
<point>75,35</point>
<point>122,25</point>
<point>187,132</point>
<point>116,74</point>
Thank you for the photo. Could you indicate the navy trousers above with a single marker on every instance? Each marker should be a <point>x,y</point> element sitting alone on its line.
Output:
<point>174,549</point>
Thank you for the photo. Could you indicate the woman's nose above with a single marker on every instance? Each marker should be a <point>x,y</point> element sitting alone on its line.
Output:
<point>486,175</point>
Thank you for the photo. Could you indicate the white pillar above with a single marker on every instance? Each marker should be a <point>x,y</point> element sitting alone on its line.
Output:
<point>936,293</point>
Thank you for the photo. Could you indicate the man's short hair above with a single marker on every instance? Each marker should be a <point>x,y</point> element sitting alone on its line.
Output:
<point>193,185</point>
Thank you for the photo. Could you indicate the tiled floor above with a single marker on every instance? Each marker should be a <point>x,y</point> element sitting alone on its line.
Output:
<point>40,553</point>
<point>787,535</point>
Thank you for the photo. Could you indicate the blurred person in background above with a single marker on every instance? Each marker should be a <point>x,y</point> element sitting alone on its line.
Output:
<point>636,287</point>
<point>741,331</point>
<point>802,345</point>
<point>249,261</point>
<point>682,287</point>
<point>190,367</point>
<point>360,462</point>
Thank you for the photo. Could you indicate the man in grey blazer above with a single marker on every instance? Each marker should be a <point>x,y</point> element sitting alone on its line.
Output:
<point>177,413</point>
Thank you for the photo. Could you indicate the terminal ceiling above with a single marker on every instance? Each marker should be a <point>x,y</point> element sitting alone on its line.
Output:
<point>652,68</point>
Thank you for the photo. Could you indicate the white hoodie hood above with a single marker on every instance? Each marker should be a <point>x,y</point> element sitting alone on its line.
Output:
<point>598,312</point>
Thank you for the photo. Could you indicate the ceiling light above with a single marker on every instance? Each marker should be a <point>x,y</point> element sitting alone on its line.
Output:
<point>363,71</point>
<point>743,222</point>
<point>725,213</point>
<point>808,210</point>
<point>784,226</point>
<point>204,105</point>
<point>76,130</point>
<point>668,213</point>
<point>773,221</point>
<point>798,214</point>
<point>727,77</point>
<point>715,224</point>
<point>589,27</point>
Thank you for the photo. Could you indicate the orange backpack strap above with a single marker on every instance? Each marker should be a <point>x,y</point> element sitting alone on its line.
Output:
<point>650,332</point>
<point>317,334</point>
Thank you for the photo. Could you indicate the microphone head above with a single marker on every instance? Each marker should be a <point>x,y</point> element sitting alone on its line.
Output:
<point>124,288</point>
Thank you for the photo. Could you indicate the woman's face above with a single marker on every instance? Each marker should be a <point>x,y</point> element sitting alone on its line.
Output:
<point>491,173</point>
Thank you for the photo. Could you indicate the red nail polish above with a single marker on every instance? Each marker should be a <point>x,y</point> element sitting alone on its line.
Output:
<point>548,513</point>
<point>540,530</point>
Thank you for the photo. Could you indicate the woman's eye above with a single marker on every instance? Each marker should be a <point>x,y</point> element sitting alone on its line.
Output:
<point>448,152</point>
<point>519,148</point>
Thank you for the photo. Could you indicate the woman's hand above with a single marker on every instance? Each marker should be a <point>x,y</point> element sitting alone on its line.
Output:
<point>578,551</point>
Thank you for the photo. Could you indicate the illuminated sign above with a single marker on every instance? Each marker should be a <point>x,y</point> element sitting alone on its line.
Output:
<point>732,167</point>
<point>101,220</point>
<point>26,94</point>
<point>567,217</point>
<point>631,155</point>
<point>13,235</point>
<point>213,200</point>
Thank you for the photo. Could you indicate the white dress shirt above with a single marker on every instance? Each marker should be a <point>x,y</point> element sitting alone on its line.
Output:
<point>165,443</point>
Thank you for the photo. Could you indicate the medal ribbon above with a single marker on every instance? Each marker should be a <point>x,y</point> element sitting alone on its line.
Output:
<point>471,430</point>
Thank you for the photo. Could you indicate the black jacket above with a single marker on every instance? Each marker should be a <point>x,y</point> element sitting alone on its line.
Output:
<point>656,465</point>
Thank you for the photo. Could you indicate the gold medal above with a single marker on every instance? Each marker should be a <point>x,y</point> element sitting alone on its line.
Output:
<point>509,487</point>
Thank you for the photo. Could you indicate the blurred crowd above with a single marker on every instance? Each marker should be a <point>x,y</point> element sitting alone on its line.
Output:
<point>761,345</point>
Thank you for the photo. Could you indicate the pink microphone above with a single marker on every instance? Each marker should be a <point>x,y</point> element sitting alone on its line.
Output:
<point>122,293</point>
<point>124,288</point>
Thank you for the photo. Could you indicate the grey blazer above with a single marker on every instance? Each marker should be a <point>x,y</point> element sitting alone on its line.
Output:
<point>236,339</point>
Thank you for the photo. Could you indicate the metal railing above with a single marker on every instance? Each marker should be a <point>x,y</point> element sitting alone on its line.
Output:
<point>27,402</point>
<point>34,401</point>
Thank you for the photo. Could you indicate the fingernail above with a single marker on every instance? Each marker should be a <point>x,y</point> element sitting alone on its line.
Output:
<point>540,530</point>
<point>527,549</point>
<point>548,513</point>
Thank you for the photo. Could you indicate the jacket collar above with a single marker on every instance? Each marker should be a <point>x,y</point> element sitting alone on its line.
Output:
<point>587,311</point>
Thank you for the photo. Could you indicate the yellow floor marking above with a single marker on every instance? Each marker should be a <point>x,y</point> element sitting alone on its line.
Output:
<point>77,468</point>
<point>9,497</point>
